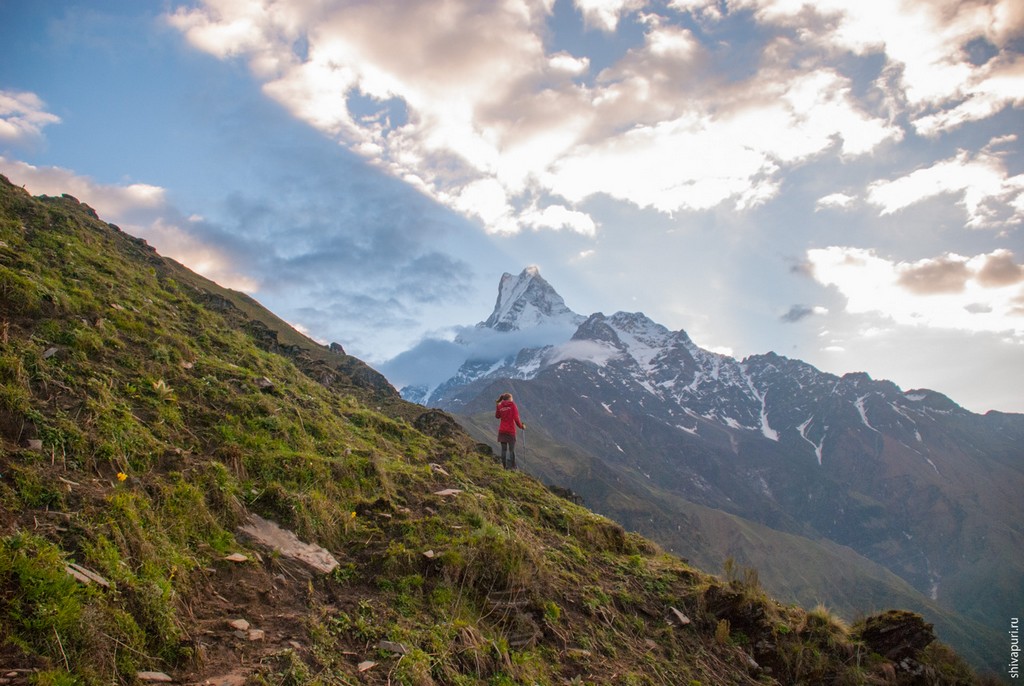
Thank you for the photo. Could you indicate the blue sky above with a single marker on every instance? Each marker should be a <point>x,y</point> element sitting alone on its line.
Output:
<point>838,181</point>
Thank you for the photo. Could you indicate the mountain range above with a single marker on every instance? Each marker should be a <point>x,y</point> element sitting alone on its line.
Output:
<point>760,459</point>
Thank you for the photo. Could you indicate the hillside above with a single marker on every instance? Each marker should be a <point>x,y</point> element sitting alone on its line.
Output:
<point>152,424</point>
<point>694,448</point>
<point>790,567</point>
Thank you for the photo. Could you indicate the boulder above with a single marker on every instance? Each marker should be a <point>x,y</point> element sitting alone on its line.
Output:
<point>897,635</point>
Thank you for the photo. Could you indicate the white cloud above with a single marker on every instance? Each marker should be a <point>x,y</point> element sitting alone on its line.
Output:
<point>140,210</point>
<point>1001,87</point>
<point>924,42</point>
<point>979,293</point>
<point>563,61</point>
<point>988,195</point>
<point>597,352</point>
<point>110,201</point>
<point>558,217</point>
<point>605,14</point>
<point>698,161</point>
<point>837,200</point>
<point>23,116</point>
<point>486,198</point>
<point>477,109</point>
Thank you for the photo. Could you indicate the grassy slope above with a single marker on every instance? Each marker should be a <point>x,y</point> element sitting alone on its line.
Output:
<point>790,567</point>
<point>137,432</point>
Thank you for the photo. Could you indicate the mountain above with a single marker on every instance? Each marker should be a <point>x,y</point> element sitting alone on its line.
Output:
<point>528,313</point>
<point>193,492</point>
<point>907,479</point>
<point>528,301</point>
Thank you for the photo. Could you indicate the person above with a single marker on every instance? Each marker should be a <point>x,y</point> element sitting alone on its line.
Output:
<point>508,413</point>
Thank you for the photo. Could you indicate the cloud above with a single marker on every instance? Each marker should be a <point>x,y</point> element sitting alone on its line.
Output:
<point>605,14</point>
<point>558,217</point>
<point>698,160</point>
<point>141,210</point>
<point>798,312</point>
<point>947,274</point>
<point>23,116</point>
<point>927,47</point>
<point>979,293</point>
<point>837,200</point>
<point>437,357</point>
<point>465,102</point>
<point>597,352</point>
<point>988,194</point>
<point>998,269</point>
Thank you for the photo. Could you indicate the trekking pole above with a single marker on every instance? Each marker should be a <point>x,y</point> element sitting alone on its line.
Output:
<point>524,443</point>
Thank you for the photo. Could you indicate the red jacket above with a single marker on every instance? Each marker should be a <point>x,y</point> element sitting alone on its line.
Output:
<point>508,413</point>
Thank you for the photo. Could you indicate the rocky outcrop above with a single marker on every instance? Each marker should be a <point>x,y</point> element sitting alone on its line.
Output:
<point>899,636</point>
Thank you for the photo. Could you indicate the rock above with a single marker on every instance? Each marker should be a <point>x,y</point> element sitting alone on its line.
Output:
<point>35,444</point>
<point>226,680</point>
<point>897,635</point>
<point>154,677</point>
<point>257,634</point>
<point>437,424</point>
<point>429,554</point>
<point>393,647</point>
<point>751,663</point>
<point>365,665</point>
<point>236,557</point>
<point>567,494</point>
<point>447,492</point>
<point>288,544</point>
<point>264,384</point>
<point>239,624</point>
<point>85,576</point>
<point>336,348</point>
<point>434,467</point>
<point>679,616</point>
<point>50,352</point>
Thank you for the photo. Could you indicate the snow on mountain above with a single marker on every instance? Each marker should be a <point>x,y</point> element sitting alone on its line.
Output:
<point>526,301</point>
<point>528,319</point>
<point>531,331</point>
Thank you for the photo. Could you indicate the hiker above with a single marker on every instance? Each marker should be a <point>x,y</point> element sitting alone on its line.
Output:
<point>508,413</point>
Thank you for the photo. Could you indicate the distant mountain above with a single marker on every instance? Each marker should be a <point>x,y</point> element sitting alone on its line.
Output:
<point>528,301</point>
<point>528,314</point>
<point>908,479</point>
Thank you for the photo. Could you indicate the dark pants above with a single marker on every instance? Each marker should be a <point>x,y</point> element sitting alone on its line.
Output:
<point>508,451</point>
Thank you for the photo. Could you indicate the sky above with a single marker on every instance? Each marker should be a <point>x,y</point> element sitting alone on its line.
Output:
<point>838,181</point>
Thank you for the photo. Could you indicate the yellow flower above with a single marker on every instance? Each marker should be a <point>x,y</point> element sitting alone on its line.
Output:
<point>121,476</point>
<point>352,516</point>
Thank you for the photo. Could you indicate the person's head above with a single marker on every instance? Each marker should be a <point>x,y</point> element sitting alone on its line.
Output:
<point>504,396</point>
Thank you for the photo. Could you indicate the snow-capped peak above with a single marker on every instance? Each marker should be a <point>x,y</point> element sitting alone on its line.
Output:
<point>526,301</point>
